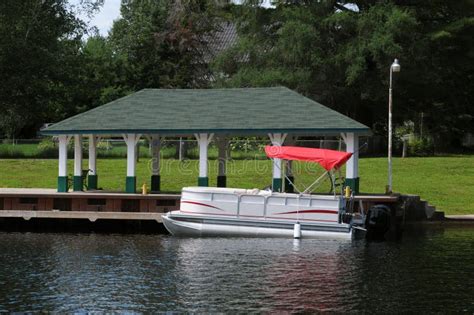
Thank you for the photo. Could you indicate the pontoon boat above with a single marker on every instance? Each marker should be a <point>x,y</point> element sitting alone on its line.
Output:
<point>210,211</point>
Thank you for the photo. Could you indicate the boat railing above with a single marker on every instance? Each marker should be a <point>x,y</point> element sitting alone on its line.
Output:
<point>261,207</point>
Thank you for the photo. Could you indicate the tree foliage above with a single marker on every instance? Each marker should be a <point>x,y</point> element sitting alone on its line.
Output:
<point>339,52</point>
<point>164,42</point>
<point>51,70</point>
<point>39,43</point>
<point>335,51</point>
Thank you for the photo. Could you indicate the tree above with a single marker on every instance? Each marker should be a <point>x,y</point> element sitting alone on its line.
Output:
<point>163,42</point>
<point>40,42</point>
<point>440,85</point>
<point>339,53</point>
<point>104,72</point>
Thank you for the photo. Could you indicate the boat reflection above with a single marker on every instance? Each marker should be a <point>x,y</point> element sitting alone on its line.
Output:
<point>301,275</point>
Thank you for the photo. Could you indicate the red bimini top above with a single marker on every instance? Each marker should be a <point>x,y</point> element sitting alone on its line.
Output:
<point>328,159</point>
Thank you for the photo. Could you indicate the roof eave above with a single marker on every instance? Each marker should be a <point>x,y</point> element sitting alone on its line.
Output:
<point>315,131</point>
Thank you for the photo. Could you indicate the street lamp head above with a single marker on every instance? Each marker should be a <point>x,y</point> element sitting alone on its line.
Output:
<point>395,67</point>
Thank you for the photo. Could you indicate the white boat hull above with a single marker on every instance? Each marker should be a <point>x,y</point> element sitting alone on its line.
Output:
<point>183,225</point>
<point>228,212</point>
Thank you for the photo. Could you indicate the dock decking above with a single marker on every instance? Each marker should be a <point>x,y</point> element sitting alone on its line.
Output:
<point>91,201</point>
<point>89,215</point>
<point>105,205</point>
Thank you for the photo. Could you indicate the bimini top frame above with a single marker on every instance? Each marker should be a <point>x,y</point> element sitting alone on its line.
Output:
<point>330,160</point>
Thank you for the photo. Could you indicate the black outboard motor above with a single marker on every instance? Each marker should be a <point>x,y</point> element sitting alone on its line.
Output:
<point>377,222</point>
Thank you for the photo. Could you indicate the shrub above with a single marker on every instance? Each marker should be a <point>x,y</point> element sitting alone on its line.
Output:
<point>46,144</point>
<point>47,149</point>
<point>246,144</point>
<point>7,141</point>
<point>421,147</point>
<point>8,151</point>
<point>104,145</point>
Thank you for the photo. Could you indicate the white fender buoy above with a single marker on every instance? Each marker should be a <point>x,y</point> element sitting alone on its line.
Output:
<point>297,230</point>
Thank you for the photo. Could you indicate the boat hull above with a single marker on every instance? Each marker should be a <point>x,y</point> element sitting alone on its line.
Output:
<point>201,226</point>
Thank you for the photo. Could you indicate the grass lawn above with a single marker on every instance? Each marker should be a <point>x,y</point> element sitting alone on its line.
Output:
<point>446,182</point>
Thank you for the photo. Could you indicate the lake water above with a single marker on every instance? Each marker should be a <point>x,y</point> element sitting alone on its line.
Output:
<point>428,271</point>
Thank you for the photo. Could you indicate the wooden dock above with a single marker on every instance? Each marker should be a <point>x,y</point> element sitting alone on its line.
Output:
<point>90,201</point>
<point>92,216</point>
<point>105,206</point>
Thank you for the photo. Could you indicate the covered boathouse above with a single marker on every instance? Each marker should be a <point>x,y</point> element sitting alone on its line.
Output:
<point>207,115</point>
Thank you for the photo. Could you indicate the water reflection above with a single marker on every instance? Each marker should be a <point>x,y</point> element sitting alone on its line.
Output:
<point>296,244</point>
<point>432,272</point>
<point>308,282</point>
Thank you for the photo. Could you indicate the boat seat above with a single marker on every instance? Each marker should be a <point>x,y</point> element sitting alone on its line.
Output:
<point>222,190</point>
<point>265,192</point>
<point>254,191</point>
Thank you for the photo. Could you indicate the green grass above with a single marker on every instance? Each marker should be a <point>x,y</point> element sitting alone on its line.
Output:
<point>446,182</point>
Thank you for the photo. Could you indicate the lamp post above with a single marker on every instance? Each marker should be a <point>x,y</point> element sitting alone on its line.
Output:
<point>395,67</point>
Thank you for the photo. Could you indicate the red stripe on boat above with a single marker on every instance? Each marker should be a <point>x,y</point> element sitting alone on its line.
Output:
<point>262,217</point>
<point>201,204</point>
<point>311,211</point>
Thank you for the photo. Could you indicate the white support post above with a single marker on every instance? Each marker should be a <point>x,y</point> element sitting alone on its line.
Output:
<point>222,145</point>
<point>352,165</point>
<point>287,186</point>
<point>203,140</point>
<point>62,172</point>
<point>289,168</point>
<point>92,155</point>
<point>343,136</point>
<point>77,155</point>
<point>277,139</point>
<point>63,140</point>
<point>78,180</point>
<point>92,175</point>
<point>131,182</point>
<point>155,163</point>
<point>155,153</point>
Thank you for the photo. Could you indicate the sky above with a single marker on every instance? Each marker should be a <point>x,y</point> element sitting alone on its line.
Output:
<point>108,13</point>
<point>104,19</point>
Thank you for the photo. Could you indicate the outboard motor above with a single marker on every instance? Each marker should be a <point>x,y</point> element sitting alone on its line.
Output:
<point>377,222</point>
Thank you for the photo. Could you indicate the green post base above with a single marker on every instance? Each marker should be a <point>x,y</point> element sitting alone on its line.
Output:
<point>92,181</point>
<point>131,184</point>
<point>155,182</point>
<point>203,181</point>
<point>277,184</point>
<point>288,187</point>
<point>222,181</point>
<point>62,184</point>
<point>77,183</point>
<point>353,183</point>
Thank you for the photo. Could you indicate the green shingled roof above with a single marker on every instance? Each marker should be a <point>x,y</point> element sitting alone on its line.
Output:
<point>231,111</point>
